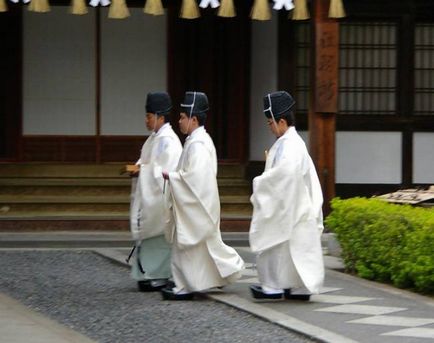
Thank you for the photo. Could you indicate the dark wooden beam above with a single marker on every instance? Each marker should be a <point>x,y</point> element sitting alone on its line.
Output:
<point>405,88</point>
<point>98,83</point>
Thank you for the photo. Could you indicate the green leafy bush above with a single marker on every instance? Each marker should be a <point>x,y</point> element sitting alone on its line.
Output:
<point>386,242</point>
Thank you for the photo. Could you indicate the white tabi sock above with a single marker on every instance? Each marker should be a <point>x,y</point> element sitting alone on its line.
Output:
<point>158,282</point>
<point>183,291</point>
<point>271,290</point>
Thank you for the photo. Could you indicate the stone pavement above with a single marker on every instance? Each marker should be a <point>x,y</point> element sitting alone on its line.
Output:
<point>348,309</point>
<point>351,309</point>
<point>95,296</point>
<point>20,324</point>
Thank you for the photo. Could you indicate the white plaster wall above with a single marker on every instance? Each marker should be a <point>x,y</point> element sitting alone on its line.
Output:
<point>263,81</point>
<point>423,157</point>
<point>133,63</point>
<point>58,73</point>
<point>368,157</point>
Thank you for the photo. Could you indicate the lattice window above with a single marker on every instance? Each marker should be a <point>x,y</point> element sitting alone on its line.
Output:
<point>424,69</point>
<point>302,32</point>
<point>367,65</point>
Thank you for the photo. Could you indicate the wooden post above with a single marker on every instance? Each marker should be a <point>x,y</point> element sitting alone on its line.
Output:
<point>98,83</point>
<point>323,96</point>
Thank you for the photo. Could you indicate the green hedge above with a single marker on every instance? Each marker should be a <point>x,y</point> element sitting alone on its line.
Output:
<point>386,242</point>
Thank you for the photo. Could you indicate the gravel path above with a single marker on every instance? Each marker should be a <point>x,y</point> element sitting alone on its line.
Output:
<point>92,295</point>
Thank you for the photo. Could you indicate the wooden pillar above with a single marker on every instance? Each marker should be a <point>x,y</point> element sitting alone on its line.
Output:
<point>98,83</point>
<point>323,96</point>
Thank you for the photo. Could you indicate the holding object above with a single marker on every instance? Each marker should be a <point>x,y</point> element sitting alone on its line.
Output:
<point>200,259</point>
<point>130,168</point>
<point>149,214</point>
<point>130,254</point>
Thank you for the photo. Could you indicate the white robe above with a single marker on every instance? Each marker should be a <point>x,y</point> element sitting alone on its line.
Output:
<point>200,259</point>
<point>287,218</point>
<point>149,216</point>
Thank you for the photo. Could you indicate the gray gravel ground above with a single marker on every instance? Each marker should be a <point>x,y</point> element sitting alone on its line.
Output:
<point>97,297</point>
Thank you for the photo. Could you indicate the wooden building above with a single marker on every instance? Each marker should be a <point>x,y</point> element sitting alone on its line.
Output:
<point>73,87</point>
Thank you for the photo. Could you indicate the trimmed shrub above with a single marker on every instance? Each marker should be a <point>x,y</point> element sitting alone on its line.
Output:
<point>386,242</point>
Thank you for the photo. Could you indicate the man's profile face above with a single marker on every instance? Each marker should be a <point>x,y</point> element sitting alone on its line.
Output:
<point>183,123</point>
<point>277,127</point>
<point>150,121</point>
<point>273,126</point>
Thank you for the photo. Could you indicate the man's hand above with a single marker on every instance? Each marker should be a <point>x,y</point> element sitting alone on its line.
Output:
<point>132,169</point>
<point>134,173</point>
<point>165,175</point>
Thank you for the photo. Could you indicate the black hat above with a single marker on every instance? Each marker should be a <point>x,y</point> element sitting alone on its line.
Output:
<point>194,103</point>
<point>277,103</point>
<point>158,103</point>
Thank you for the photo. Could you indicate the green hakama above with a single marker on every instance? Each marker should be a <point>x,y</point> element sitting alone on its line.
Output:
<point>154,254</point>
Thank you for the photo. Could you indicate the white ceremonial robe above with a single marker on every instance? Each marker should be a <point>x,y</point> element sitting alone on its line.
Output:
<point>200,259</point>
<point>287,218</point>
<point>149,216</point>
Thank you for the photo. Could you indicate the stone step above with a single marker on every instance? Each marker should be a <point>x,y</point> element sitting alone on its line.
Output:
<point>78,209</point>
<point>13,199</point>
<point>63,182</point>
<point>236,187</point>
<point>13,205</point>
<point>112,238</point>
<point>74,191</point>
<point>89,239</point>
<point>93,199</point>
<point>91,181</point>
<point>108,170</point>
<point>93,220</point>
<point>37,196</point>
<point>91,215</point>
<point>85,224</point>
<point>44,170</point>
<point>94,186</point>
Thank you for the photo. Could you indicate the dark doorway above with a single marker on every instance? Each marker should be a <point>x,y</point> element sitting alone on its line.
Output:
<point>10,82</point>
<point>212,54</point>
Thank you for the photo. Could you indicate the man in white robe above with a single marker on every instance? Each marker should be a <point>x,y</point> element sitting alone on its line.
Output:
<point>149,217</point>
<point>286,227</point>
<point>200,259</point>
